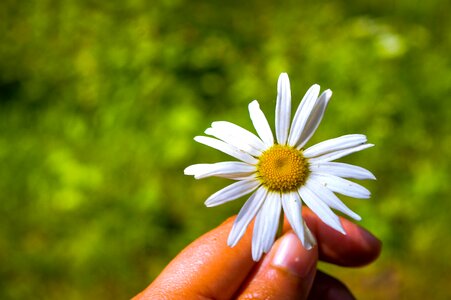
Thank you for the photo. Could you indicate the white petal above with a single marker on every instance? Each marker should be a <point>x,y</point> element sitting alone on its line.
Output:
<point>302,114</point>
<point>226,148</point>
<point>292,207</point>
<point>261,123</point>
<point>266,224</point>
<point>232,192</point>
<point>341,170</point>
<point>330,199</point>
<point>227,169</point>
<point>320,209</point>
<point>283,108</point>
<point>339,153</point>
<point>236,142</point>
<point>309,238</point>
<point>342,186</point>
<point>339,143</point>
<point>315,118</point>
<point>273,214</point>
<point>240,132</point>
<point>241,178</point>
<point>245,216</point>
<point>237,136</point>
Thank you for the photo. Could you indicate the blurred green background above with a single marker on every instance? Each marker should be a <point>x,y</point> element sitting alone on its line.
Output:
<point>99,102</point>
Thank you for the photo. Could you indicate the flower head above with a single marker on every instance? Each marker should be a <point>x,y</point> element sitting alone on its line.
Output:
<point>279,173</point>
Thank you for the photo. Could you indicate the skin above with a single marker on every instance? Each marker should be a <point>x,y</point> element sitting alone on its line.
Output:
<point>209,269</point>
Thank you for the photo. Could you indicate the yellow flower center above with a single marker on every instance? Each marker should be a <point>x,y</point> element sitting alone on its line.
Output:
<point>282,168</point>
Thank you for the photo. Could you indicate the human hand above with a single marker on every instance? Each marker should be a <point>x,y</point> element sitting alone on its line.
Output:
<point>209,269</point>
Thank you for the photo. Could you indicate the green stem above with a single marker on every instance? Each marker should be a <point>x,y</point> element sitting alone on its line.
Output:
<point>280,229</point>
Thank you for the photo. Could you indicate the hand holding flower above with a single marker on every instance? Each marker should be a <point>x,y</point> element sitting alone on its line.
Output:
<point>209,269</point>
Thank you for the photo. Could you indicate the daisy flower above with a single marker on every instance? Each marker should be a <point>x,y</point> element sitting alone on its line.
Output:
<point>279,173</point>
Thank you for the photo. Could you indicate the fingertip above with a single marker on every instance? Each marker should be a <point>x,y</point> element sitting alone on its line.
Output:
<point>357,248</point>
<point>372,246</point>
<point>362,246</point>
<point>327,287</point>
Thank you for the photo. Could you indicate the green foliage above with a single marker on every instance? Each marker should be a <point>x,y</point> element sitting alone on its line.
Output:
<point>99,102</point>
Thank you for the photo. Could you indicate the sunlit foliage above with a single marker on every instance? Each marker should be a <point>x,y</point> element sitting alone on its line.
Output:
<point>99,101</point>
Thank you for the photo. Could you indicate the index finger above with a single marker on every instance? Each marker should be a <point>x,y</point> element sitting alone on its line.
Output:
<point>357,248</point>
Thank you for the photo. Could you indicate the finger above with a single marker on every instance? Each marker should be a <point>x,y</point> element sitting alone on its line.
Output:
<point>192,273</point>
<point>286,272</point>
<point>357,248</point>
<point>325,287</point>
<point>206,269</point>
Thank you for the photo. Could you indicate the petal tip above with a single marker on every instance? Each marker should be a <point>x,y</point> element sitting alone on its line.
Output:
<point>340,228</point>
<point>216,123</point>
<point>283,75</point>
<point>256,256</point>
<point>283,81</point>
<point>188,170</point>
<point>231,242</point>
<point>307,246</point>
<point>315,86</point>
<point>254,103</point>
<point>328,94</point>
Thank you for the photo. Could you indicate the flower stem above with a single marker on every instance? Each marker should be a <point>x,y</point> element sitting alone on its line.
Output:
<point>280,229</point>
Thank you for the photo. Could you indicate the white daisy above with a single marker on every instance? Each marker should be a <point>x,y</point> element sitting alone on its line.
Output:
<point>280,173</point>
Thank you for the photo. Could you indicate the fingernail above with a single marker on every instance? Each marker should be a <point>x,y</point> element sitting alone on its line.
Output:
<point>292,257</point>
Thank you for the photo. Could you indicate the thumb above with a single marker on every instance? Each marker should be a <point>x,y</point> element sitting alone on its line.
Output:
<point>206,269</point>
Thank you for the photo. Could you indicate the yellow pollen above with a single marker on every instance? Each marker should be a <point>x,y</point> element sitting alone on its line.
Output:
<point>282,168</point>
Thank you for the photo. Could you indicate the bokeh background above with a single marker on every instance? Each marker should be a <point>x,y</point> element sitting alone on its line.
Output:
<point>100,100</point>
